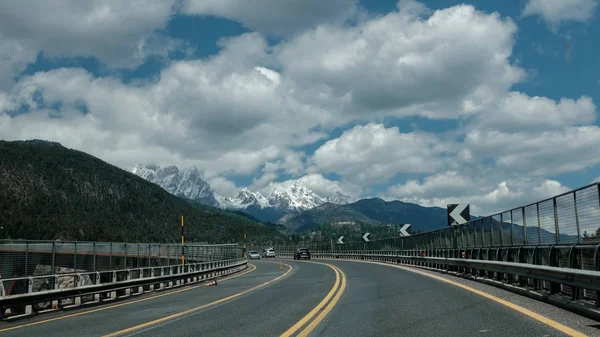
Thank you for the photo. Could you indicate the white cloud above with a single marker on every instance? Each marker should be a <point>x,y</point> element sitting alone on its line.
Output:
<point>517,111</point>
<point>119,33</point>
<point>538,154</point>
<point>212,113</point>
<point>374,154</point>
<point>275,17</point>
<point>248,109</point>
<point>14,57</point>
<point>223,186</point>
<point>405,63</point>
<point>484,196</point>
<point>557,11</point>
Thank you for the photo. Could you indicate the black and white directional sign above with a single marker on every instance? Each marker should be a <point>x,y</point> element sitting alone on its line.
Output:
<point>365,237</point>
<point>403,231</point>
<point>340,240</point>
<point>458,214</point>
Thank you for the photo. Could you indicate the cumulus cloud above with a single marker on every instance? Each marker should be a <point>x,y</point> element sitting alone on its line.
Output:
<point>275,17</point>
<point>485,196</point>
<point>222,186</point>
<point>373,153</point>
<point>518,111</point>
<point>405,63</point>
<point>118,33</point>
<point>14,57</point>
<point>544,153</point>
<point>558,11</point>
<point>213,113</point>
<point>249,109</point>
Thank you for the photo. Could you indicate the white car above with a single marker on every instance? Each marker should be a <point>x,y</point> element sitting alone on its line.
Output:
<point>269,252</point>
<point>253,255</point>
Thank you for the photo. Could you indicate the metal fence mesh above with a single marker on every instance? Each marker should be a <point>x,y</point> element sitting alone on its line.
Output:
<point>20,258</point>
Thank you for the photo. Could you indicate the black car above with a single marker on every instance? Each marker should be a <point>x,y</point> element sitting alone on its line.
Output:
<point>302,253</point>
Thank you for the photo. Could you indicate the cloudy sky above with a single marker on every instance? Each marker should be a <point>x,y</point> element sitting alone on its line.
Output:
<point>491,102</point>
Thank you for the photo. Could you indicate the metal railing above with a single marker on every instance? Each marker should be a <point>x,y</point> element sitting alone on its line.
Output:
<point>108,285</point>
<point>24,258</point>
<point>562,232</point>
<point>566,219</point>
<point>27,266</point>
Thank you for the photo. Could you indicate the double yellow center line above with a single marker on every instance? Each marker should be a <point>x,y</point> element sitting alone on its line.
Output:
<point>311,320</point>
<point>190,311</point>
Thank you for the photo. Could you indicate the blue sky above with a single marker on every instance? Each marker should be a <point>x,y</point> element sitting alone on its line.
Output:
<point>488,102</point>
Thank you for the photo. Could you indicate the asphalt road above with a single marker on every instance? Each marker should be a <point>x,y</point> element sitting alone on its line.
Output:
<point>362,300</point>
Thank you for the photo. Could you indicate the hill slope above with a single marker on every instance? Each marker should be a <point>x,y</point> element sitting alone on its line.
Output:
<point>369,211</point>
<point>50,192</point>
<point>324,214</point>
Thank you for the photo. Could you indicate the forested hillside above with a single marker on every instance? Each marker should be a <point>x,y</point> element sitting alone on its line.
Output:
<point>50,192</point>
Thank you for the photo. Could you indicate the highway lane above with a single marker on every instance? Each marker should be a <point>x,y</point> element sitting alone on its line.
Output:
<point>287,299</point>
<point>384,301</point>
<point>106,320</point>
<point>373,300</point>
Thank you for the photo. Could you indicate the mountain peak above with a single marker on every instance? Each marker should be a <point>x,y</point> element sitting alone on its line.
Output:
<point>186,183</point>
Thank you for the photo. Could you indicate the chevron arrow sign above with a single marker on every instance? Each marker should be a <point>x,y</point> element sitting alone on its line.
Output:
<point>403,231</point>
<point>458,214</point>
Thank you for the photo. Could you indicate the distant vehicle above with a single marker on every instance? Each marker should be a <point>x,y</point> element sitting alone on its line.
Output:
<point>269,252</point>
<point>254,255</point>
<point>302,253</point>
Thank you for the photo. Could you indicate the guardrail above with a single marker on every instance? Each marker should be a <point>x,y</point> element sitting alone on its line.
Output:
<point>568,287</point>
<point>26,257</point>
<point>96,287</point>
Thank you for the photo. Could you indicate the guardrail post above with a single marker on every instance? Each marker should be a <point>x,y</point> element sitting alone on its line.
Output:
<point>128,277</point>
<point>113,294</point>
<point>554,261</point>
<point>556,229</point>
<point>77,283</point>
<point>573,265</point>
<point>29,308</point>
<point>55,286</point>
<point>94,256</point>
<point>141,288</point>
<point>26,257</point>
<point>151,276</point>
<point>97,282</point>
<point>597,263</point>
<point>53,257</point>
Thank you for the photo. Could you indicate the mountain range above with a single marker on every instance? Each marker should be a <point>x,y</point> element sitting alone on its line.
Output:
<point>187,183</point>
<point>294,206</point>
<point>50,192</point>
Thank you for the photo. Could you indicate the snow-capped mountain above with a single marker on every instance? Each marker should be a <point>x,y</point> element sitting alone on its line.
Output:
<point>339,199</point>
<point>244,199</point>
<point>185,183</point>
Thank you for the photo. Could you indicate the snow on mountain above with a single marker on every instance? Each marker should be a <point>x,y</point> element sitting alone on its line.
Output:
<point>185,183</point>
<point>295,197</point>
<point>339,199</point>
<point>244,199</point>
<point>188,183</point>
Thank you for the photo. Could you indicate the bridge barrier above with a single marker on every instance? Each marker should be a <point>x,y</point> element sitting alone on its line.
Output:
<point>101,286</point>
<point>26,255</point>
<point>20,259</point>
